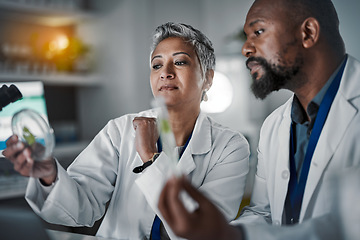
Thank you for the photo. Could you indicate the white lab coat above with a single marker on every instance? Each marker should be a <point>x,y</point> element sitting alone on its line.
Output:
<point>215,161</point>
<point>338,149</point>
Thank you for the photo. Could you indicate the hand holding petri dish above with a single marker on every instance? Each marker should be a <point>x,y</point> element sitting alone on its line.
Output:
<point>34,132</point>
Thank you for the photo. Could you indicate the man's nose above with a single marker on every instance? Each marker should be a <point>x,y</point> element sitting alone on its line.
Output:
<point>248,49</point>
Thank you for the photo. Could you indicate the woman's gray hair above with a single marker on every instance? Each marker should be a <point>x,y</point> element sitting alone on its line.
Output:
<point>203,46</point>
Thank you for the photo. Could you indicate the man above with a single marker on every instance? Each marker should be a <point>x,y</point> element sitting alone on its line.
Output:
<point>304,144</point>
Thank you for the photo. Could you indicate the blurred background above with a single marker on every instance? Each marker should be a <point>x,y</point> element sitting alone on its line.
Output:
<point>92,58</point>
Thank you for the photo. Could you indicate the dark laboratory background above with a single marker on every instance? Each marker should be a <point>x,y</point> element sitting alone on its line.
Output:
<point>92,57</point>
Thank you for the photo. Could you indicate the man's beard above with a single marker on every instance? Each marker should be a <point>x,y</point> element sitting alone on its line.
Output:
<point>275,77</point>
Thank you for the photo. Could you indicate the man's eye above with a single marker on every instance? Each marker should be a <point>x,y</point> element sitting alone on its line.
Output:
<point>156,66</point>
<point>258,32</point>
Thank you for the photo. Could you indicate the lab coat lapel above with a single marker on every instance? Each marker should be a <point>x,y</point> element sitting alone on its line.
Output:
<point>282,165</point>
<point>186,163</point>
<point>341,114</point>
<point>200,143</point>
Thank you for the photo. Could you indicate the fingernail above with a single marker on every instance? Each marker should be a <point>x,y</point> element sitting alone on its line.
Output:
<point>19,145</point>
<point>26,153</point>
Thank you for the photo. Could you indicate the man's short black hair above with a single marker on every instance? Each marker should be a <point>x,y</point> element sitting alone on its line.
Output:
<point>322,10</point>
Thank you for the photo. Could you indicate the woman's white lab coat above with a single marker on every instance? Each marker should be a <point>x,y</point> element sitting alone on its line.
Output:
<point>215,161</point>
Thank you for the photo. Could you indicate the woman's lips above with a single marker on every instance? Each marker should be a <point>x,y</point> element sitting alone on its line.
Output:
<point>168,88</point>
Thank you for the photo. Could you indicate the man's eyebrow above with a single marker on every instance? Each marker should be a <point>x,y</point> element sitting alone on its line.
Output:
<point>255,21</point>
<point>251,24</point>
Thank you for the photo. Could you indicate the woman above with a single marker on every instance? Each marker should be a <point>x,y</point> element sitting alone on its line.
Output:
<point>124,165</point>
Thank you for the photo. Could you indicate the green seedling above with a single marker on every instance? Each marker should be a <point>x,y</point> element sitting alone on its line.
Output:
<point>28,136</point>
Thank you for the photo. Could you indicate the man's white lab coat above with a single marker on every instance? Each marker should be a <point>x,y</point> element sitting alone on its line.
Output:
<point>337,150</point>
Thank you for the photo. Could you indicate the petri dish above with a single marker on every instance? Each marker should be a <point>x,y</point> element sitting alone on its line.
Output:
<point>35,132</point>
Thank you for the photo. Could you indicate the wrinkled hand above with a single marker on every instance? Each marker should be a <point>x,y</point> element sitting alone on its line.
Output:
<point>146,135</point>
<point>207,222</point>
<point>20,156</point>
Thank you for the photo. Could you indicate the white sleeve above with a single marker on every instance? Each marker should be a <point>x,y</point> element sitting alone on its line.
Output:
<point>37,193</point>
<point>79,189</point>
<point>259,209</point>
<point>321,228</point>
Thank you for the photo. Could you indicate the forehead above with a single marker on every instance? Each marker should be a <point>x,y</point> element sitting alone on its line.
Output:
<point>172,45</point>
<point>267,11</point>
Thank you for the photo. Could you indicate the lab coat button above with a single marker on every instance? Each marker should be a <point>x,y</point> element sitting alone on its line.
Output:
<point>276,222</point>
<point>285,174</point>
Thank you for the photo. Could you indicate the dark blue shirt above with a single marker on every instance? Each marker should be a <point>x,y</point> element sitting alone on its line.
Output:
<point>303,127</point>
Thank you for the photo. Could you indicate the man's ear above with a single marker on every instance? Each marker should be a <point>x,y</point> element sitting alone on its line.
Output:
<point>310,32</point>
<point>209,76</point>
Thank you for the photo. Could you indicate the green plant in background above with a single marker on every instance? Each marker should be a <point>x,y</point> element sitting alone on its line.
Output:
<point>69,54</point>
<point>66,59</point>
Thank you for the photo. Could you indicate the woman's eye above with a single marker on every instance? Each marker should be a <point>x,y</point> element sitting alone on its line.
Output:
<point>156,66</point>
<point>179,63</point>
<point>258,32</point>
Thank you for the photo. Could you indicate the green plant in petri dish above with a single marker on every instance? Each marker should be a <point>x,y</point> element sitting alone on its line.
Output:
<point>28,136</point>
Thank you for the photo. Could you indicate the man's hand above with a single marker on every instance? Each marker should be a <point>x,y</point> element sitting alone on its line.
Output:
<point>20,156</point>
<point>207,222</point>
<point>146,135</point>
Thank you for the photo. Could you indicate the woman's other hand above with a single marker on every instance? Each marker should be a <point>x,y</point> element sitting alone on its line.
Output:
<point>146,136</point>
<point>20,156</point>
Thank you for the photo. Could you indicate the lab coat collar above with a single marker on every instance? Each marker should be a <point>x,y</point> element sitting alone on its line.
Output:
<point>350,89</point>
<point>200,143</point>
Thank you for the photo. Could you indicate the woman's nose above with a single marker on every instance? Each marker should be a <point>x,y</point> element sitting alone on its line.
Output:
<point>167,73</point>
<point>248,49</point>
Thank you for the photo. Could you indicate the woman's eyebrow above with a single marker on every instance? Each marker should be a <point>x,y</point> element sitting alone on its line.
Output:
<point>178,53</point>
<point>174,54</point>
<point>156,56</point>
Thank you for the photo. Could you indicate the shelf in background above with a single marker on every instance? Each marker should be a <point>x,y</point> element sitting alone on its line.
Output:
<point>54,80</point>
<point>12,184</point>
<point>47,15</point>
<point>64,150</point>
<point>66,153</point>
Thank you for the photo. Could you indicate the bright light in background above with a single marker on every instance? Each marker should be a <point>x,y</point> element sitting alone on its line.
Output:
<point>56,46</point>
<point>59,44</point>
<point>220,95</point>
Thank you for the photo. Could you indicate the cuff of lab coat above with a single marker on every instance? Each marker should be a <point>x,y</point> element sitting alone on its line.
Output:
<point>153,178</point>
<point>36,193</point>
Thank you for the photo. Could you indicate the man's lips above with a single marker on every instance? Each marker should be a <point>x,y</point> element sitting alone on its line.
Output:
<point>253,66</point>
<point>168,87</point>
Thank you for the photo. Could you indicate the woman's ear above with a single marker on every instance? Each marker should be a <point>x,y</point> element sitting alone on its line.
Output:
<point>310,32</point>
<point>209,76</point>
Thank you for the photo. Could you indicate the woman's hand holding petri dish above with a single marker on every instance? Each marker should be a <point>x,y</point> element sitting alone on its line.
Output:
<point>30,148</point>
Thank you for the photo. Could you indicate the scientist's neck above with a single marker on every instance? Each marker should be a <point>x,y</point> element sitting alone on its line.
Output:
<point>182,123</point>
